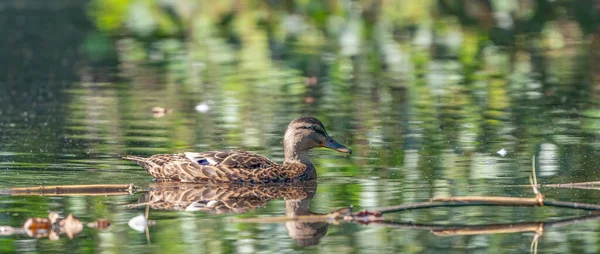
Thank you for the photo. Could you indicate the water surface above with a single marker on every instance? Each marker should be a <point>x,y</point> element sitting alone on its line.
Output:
<point>424,94</point>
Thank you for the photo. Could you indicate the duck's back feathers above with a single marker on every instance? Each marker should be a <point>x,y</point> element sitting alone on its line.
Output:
<point>219,166</point>
<point>232,159</point>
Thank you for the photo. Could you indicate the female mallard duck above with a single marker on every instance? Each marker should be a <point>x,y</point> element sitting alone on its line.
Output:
<point>302,134</point>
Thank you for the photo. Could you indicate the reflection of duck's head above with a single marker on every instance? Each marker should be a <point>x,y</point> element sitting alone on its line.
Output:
<point>305,233</point>
<point>306,133</point>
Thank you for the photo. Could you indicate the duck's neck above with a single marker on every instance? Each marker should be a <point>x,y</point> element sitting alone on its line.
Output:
<point>293,153</point>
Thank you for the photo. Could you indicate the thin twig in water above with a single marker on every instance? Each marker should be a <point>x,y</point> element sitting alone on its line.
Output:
<point>73,190</point>
<point>581,185</point>
<point>534,184</point>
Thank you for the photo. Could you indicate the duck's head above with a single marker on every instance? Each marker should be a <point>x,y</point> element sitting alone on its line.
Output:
<point>306,133</point>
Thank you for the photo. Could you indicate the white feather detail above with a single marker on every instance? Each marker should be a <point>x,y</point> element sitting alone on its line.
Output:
<point>195,157</point>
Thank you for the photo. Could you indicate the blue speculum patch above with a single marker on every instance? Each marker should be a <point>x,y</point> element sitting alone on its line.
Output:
<point>203,162</point>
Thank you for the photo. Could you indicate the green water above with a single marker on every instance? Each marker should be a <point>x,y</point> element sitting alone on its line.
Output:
<point>425,94</point>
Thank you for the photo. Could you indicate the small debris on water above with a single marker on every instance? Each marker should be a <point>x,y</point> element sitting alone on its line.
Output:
<point>158,112</point>
<point>138,223</point>
<point>502,152</point>
<point>53,226</point>
<point>99,224</point>
<point>202,107</point>
<point>312,81</point>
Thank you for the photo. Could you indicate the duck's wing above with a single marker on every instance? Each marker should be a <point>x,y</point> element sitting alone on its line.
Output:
<point>216,166</point>
<point>231,159</point>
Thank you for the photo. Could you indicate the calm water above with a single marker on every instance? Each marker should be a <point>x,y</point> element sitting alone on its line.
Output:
<point>424,95</point>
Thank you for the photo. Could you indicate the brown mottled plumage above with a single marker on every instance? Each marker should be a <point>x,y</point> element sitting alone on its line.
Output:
<point>238,166</point>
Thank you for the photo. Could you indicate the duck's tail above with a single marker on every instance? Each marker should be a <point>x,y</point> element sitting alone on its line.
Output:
<point>134,158</point>
<point>145,163</point>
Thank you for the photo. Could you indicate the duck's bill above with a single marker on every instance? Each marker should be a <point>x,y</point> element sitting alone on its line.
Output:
<point>332,144</point>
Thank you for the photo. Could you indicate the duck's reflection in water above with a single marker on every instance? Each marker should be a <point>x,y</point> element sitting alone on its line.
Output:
<point>221,199</point>
<point>305,233</point>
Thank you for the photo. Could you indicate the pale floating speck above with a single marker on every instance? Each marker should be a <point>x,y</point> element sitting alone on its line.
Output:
<point>202,107</point>
<point>138,223</point>
<point>158,112</point>
<point>198,65</point>
<point>502,152</point>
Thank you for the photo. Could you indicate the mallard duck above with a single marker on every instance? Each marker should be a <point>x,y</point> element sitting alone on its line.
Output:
<point>238,166</point>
